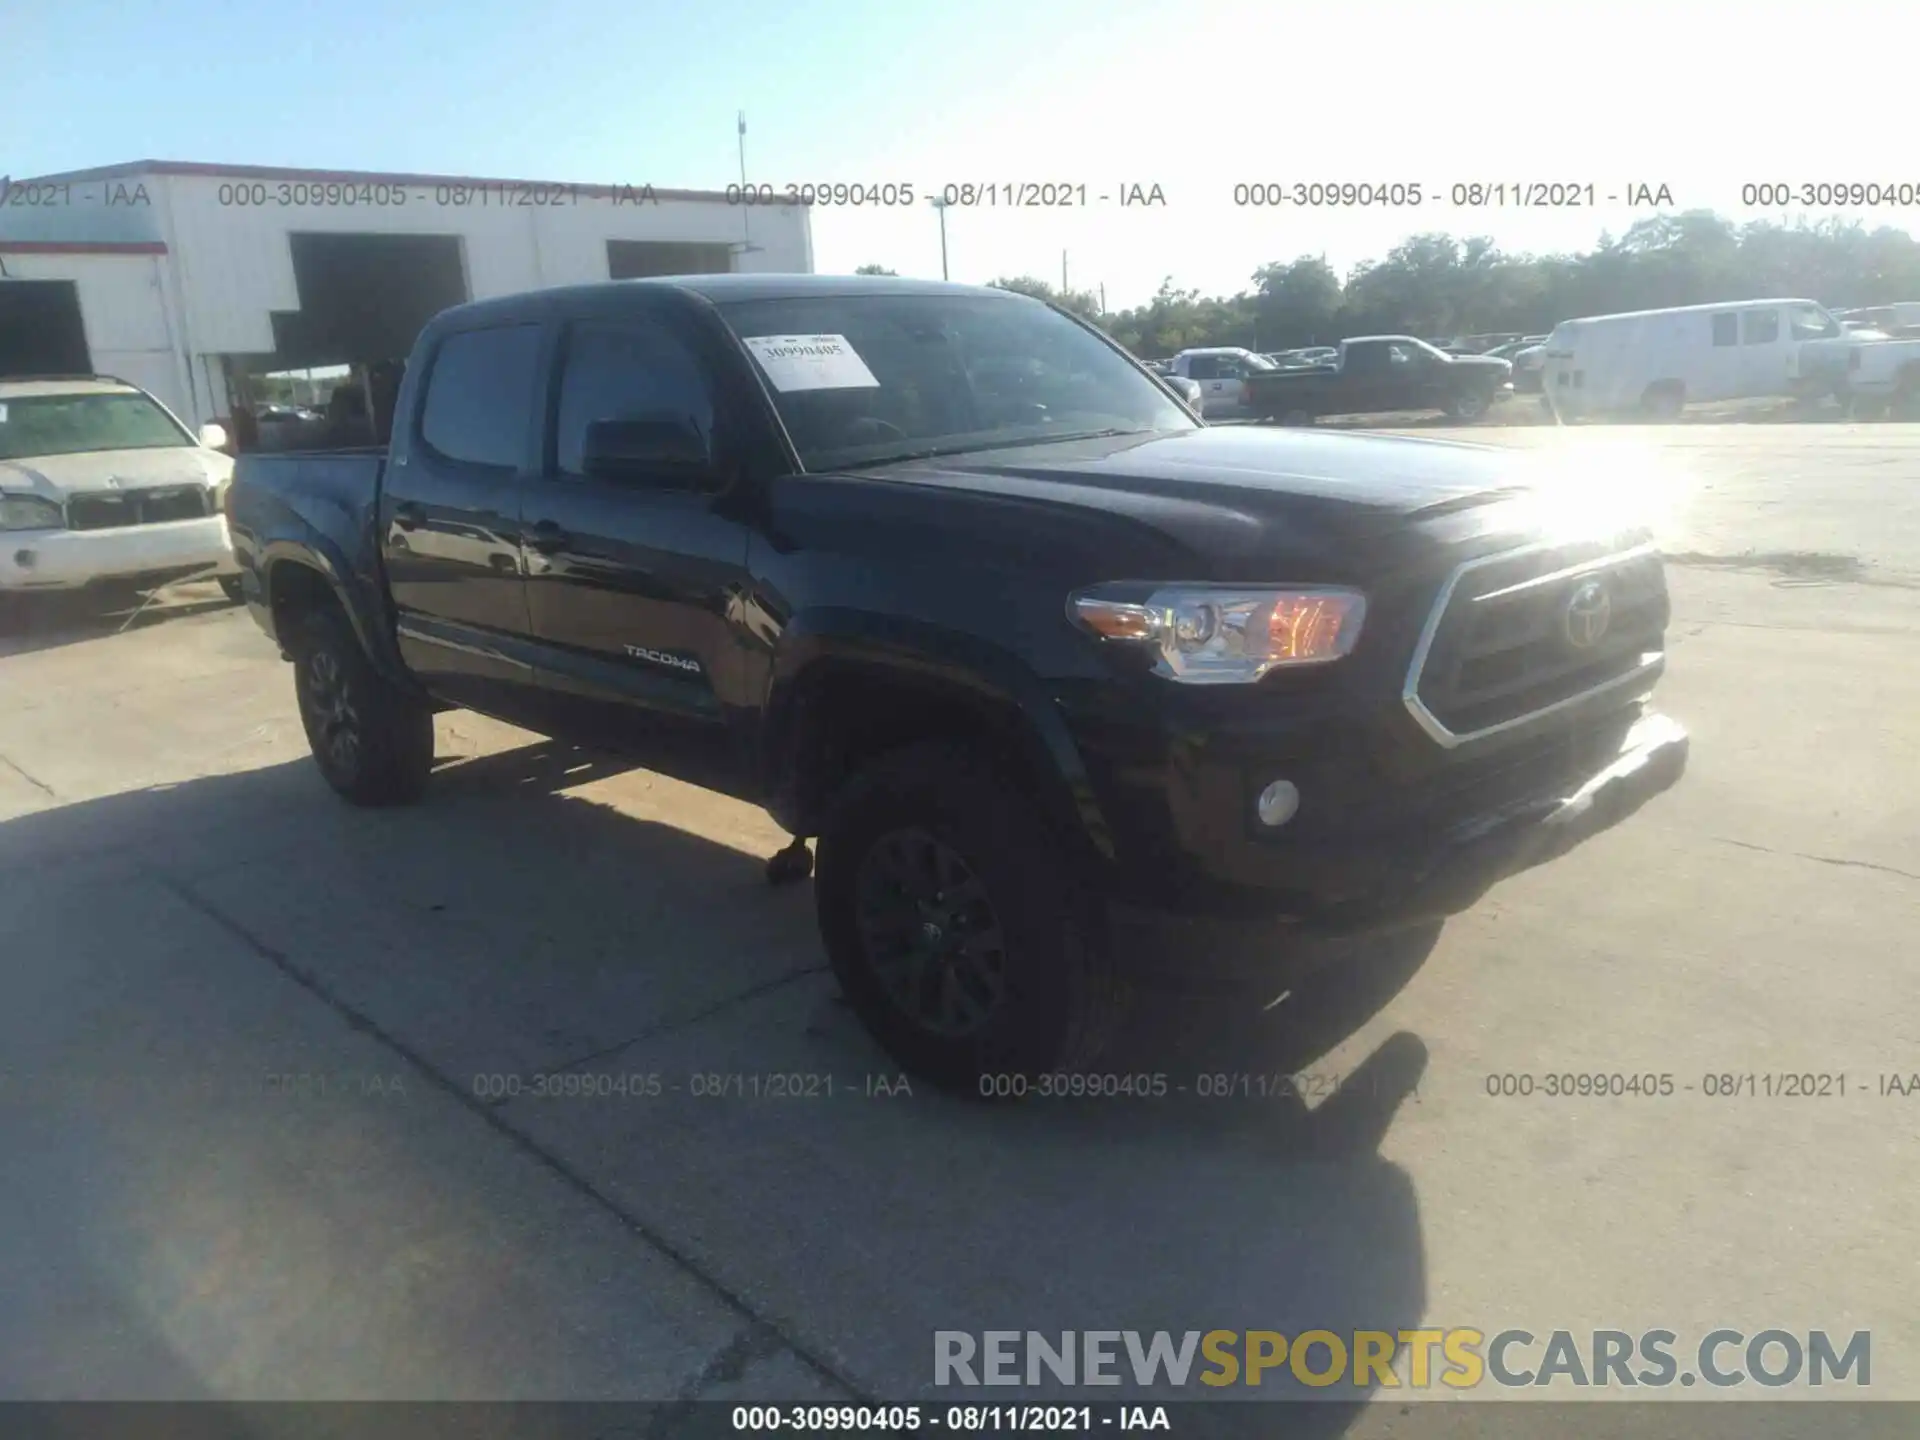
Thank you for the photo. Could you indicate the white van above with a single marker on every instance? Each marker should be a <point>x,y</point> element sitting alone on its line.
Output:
<point>1658,362</point>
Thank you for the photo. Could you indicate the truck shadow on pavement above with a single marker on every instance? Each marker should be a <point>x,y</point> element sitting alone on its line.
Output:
<point>507,935</point>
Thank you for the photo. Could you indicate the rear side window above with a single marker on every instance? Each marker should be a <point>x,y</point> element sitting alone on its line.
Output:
<point>1203,367</point>
<point>1726,329</point>
<point>627,370</point>
<point>480,396</point>
<point>1759,327</point>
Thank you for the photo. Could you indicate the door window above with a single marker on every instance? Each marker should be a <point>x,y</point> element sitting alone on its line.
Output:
<point>1759,327</point>
<point>627,370</point>
<point>1203,367</point>
<point>479,395</point>
<point>1726,330</point>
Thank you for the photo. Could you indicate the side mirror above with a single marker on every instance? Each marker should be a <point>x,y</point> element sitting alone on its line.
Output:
<point>665,449</point>
<point>214,437</point>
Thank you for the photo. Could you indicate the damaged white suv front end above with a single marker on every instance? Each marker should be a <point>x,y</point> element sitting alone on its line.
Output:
<point>100,481</point>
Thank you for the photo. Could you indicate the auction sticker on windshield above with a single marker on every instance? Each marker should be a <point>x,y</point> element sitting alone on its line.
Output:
<point>811,362</point>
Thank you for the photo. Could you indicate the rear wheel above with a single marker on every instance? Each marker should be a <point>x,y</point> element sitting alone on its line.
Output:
<point>956,924</point>
<point>1664,400</point>
<point>1298,417</point>
<point>373,742</point>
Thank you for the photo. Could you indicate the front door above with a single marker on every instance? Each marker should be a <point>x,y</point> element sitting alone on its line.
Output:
<point>1765,353</point>
<point>632,579</point>
<point>449,520</point>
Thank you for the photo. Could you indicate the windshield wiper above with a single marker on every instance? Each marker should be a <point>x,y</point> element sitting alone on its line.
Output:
<point>932,452</point>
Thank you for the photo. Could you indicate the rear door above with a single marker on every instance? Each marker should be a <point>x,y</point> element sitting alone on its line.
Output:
<point>631,581</point>
<point>450,517</point>
<point>1717,372</point>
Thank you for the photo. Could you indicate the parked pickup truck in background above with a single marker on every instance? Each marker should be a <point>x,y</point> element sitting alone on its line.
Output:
<point>1873,374</point>
<point>1222,373</point>
<point>951,585</point>
<point>1377,374</point>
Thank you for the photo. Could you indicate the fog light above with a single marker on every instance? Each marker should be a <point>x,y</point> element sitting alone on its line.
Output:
<point>1278,802</point>
<point>25,559</point>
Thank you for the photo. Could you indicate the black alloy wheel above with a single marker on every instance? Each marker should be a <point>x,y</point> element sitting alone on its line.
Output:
<point>929,933</point>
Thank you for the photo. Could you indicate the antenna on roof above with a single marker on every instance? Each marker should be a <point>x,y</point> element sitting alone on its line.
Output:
<point>746,239</point>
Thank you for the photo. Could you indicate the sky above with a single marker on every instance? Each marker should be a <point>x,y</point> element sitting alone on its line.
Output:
<point>1196,98</point>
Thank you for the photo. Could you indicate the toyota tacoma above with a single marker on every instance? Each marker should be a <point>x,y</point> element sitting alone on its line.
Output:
<point>952,586</point>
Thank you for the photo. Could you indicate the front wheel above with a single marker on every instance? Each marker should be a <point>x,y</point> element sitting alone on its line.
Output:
<point>1469,405</point>
<point>956,925</point>
<point>372,742</point>
<point>1905,403</point>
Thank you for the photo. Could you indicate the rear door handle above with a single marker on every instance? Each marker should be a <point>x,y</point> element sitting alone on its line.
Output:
<point>409,516</point>
<point>547,537</point>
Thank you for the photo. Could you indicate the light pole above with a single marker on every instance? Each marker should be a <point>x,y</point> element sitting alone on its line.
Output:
<point>939,203</point>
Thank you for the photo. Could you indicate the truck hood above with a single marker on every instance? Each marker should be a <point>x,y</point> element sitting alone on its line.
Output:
<point>1235,489</point>
<point>55,477</point>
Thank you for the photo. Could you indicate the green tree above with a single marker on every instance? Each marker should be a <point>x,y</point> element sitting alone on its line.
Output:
<point>1296,304</point>
<point>1444,285</point>
<point>1085,303</point>
<point>874,270</point>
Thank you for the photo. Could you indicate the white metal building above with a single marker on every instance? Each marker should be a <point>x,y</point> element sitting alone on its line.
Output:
<point>180,276</point>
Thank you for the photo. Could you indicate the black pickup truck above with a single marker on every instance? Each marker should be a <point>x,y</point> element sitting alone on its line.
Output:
<point>957,589</point>
<point>1377,375</point>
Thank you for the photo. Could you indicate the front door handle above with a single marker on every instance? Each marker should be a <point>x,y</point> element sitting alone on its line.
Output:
<point>409,516</point>
<point>547,538</point>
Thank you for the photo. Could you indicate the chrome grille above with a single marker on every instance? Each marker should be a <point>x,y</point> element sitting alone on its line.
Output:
<point>1518,635</point>
<point>112,509</point>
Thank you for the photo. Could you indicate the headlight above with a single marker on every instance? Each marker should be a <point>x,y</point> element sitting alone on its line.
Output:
<point>1209,635</point>
<point>30,512</point>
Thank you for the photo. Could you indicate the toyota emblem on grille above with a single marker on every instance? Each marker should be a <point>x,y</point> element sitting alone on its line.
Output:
<point>1587,615</point>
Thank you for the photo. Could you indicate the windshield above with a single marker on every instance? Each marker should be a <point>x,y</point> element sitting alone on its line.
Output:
<point>73,424</point>
<point>862,379</point>
<point>1810,322</point>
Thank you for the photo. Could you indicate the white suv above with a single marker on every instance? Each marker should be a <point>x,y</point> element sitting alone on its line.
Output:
<point>100,481</point>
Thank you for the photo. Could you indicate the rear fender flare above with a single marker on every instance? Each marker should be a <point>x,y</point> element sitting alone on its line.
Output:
<point>319,557</point>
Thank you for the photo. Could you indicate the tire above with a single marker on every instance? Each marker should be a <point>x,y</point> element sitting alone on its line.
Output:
<point>1469,405</point>
<point>1025,946</point>
<point>1905,403</point>
<point>1299,418</point>
<point>230,587</point>
<point>1664,401</point>
<point>372,742</point>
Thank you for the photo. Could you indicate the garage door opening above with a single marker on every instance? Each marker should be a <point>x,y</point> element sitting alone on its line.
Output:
<point>363,301</point>
<point>644,259</point>
<point>41,332</point>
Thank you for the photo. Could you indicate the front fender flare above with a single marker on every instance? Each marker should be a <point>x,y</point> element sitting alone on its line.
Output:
<point>935,657</point>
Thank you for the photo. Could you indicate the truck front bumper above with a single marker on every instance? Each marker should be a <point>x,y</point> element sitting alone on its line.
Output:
<point>1453,871</point>
<point>1403,864</point>
<point>69,559</point>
